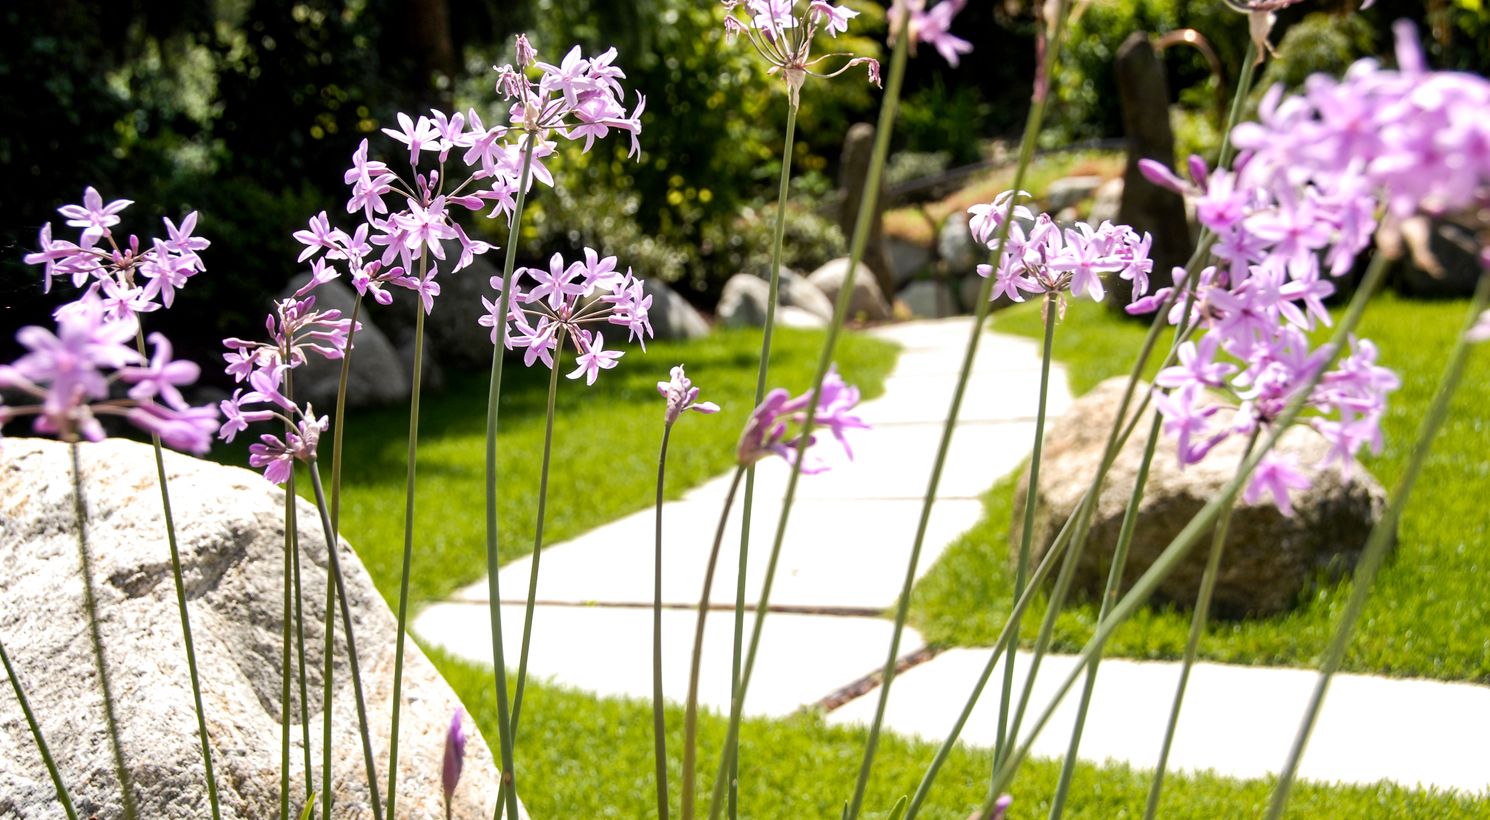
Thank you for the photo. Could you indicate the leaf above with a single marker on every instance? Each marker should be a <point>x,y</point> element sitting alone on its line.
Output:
<point>898,810</point>
<point>310,807</point>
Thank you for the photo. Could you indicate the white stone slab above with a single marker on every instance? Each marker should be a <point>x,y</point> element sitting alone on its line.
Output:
<point>608,651</point>
<point>1238,721</point>
<point>1011,395</point>
<point>895,462</point>
<point>837,555</point>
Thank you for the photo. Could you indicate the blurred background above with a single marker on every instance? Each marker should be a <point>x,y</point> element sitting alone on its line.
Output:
<point>249,110</point>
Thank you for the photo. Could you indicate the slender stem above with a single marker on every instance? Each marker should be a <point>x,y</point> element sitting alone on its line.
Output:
<point>328,650</point>
<point>1027,534</point>
<point>403,582</point>
<point>1192,643</point>
<point>300,670</point>
<point>1377,544</point>
<point>548,446</point>
<point>1109,597</point>
<point>690,709</point>
<point>1179,547</point>
<point>499,673</point>
<point>286,628</point>
<point>334,561</point>
<point>41,743</point>
<point>659,721</point>
<point>777,235</point>
<point>825,361</point>
<point>90,608</point>
<point>191,653</point>
<point>1026,154</point>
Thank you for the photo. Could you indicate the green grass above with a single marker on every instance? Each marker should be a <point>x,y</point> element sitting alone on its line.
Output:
<point>799,767</point>
<point>604,456</point>
<point>1428,607</point>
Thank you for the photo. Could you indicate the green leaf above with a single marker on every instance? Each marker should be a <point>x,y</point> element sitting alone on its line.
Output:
<point>310,807</point>
<point>898,810</point>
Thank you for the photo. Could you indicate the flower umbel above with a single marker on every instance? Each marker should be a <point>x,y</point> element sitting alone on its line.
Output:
<point>783,35</point>
<point>766,432</point>
<point>681,395</point>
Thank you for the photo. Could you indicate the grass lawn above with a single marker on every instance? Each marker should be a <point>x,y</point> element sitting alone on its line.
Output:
<point>1427,612</point>
<point>604,454</point>
<point>801,768</point>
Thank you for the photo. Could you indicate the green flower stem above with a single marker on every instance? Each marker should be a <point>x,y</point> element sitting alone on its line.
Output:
<point>191,652</point>
<point>41,743</point>
<point>548,446</point>
<point>1026,154</point>
<point>1192,643</point>
<point>1378,543</point>
<point>659,720</point>
<point>328,650</point>
<point>690,709</point>
<point>300,667</point>
<point>333,560</point>
<point>777,235</point>
<point>840,313</point>
<point>508,788</point>
<point>403,583</point>
<point>1178,548</point>
<point>285,643</point>
<point>1027,533</point>
<point>90,608</point>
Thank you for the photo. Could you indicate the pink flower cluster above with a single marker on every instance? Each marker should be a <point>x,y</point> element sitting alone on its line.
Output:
<point>580,98</point>
<point>69,373</point>
<point>1048,259</point>
<point>682,396</point>
<point>783,35</point>
<point>774,428</point>
<point>931,26</point>
<point>129,279</point>
<point>558,304</point>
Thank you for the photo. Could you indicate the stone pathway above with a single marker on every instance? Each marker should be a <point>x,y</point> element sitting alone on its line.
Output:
<point>841,567</point>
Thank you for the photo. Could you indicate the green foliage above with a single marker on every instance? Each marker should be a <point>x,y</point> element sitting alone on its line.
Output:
<point>802,767</point>
<point>1321,42</point>
<point>1426,590</point>
<point>942,119</point>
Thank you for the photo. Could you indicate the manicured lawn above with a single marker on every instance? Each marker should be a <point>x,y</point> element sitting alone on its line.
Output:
<point>801,768</point>
<point>1429,605</point>
<point>604,454</point>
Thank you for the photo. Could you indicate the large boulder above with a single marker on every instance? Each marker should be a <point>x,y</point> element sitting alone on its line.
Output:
<point>744,301</point>
<point>1445,266</point>
<point>1067,192</point>
<point>378,376</point>
<point>796,292</point>
<point>230,528</point>
<point>671,316</point>
<point>799,304</point>
<point>867,300</point>
<point>929,299</point>
<point>1270,559</point>
<point>907,259</point>
<point>955,244</point>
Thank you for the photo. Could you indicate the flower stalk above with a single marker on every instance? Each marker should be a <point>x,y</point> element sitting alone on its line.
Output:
<point>659,720</point>
<point>41,742</point>
<point>327,667</point>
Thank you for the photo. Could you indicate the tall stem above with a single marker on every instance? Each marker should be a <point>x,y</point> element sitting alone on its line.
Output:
<point>504,727</point>
<point>191,652</point>
<point>548,446</point>
<point>334,561</point>
<point>659,721</point>
<point>1179,547</point>
<point>90,608</point>
<point>1377,544</point>
<point>1192,643</point>
<point>1026,154</point>
<point>286,629</point>
<point>1031,497</point>
<point>329,625</point>
<point>41,743</point>
<point>408,559</point>
<point>690,708</point>
<point>840,313</point>
<point>777,235</point>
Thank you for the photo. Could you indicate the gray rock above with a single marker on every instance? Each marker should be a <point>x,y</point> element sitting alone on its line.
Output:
<point>796,292</point>
<point>1270,560</point>
<point>431,374</point>
<point>671,316</point>
<point>378,376</point>
<point>969,289</point>
<point>1454,269</point>
<point>788,316</point>
<point>744,301</point>
<point>463,343</point>
<point>867,302</point>
<point>907,259</point>
<point>231,536</point>
<point>929,300</point>
<point>956,246</point>
<point>1106,203</point>
<point>1069,191</point>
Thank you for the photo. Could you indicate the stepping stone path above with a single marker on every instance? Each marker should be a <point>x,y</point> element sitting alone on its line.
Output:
<point>841,567</point>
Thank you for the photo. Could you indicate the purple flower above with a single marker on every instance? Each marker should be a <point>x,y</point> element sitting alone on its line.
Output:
<point>932,27</point>
<point>455,755</point>
<point>1277,474</point>
<point>93,216</point>
<point>681,395</point>
<point>420,135</point>
<point>766,431</point>
<point>162,376</point>
<point>593,358</point>
<point>766,23</point>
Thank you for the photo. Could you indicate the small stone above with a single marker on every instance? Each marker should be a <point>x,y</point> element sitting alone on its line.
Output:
<point>907,259</point>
